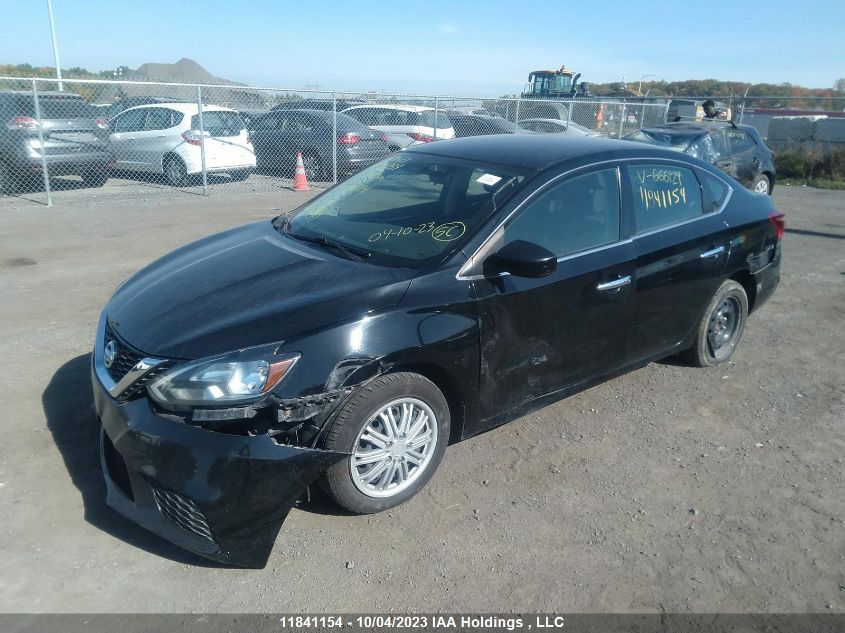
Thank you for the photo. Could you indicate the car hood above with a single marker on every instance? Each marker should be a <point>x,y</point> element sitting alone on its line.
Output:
<point>244,287</point>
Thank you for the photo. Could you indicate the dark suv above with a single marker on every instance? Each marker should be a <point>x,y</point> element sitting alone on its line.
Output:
<point>738,150</point>
<point>75,139</point>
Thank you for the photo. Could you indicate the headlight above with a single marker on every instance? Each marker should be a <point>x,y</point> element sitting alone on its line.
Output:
<point>240,376</point>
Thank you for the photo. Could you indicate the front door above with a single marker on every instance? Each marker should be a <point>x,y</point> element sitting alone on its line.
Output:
<point>539,336</point>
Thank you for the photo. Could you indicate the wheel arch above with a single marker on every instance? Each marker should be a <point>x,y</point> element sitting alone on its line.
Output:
<point>448,385</point>
<point>771,176</point>
<point>746,280</point>
<point>168,155</point>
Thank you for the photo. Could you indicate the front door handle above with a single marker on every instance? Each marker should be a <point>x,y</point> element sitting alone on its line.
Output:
<point>615,285</point>
<point>713,252</point>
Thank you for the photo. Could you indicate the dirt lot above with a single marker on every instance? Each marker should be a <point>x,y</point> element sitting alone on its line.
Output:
<point>670,488</point>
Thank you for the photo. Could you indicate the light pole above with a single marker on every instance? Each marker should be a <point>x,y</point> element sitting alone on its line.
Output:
<point>640,88</point>
<point>55,46</point>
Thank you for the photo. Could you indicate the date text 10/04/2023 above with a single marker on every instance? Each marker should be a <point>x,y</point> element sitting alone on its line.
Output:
<point>661,187</point>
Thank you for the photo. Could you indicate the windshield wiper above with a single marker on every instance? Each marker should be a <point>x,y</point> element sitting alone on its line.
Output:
<point>322,240</point>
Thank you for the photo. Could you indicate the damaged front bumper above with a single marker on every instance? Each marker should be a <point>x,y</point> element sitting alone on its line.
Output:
<point>221,496</point>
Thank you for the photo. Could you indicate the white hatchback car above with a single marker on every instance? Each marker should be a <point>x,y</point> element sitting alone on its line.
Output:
<point>404,125</point>
<point>165,139</point>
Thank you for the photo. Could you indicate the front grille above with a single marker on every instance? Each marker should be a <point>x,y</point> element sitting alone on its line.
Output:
<point>182,511</point>
<point>125,359</point>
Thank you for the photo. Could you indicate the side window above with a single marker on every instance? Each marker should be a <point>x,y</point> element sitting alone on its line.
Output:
<point>739,141</point>
<point>157,119</point>
<point>664,195</point>
<point>715,191</point>
<point>578,214</point>
<point>267,122</point>
<point>129,121</point>
<point>719,145</point>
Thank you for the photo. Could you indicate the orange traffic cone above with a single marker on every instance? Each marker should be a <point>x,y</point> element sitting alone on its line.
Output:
<point>600,118</point>
<point>300,182</point>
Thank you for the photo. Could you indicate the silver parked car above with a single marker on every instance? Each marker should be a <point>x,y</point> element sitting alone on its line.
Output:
<point>165,139</point>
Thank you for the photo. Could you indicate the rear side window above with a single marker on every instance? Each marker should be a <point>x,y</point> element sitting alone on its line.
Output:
<point>218,123</point>
<point>427,119</point>
<point>161,118</point>
<point>55,107</point>
<point>664,195</point>
<point>576,215</point>
<point>739,141</point>
<point>715,191</point>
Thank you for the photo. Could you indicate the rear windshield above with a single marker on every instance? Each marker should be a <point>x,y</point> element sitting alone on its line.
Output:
<point>655,137</point>
<point>218,123</point>
<point>57,107</point>
<point>408,210</point>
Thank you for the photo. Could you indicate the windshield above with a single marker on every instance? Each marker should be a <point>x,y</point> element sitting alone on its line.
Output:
<point>409,210</point>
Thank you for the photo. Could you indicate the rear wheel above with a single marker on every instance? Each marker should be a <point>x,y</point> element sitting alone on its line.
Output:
<point>95,178</point>
<point>721,326</point>
<point>175,171</point>
<point>239,175</point>
<point>762,185</point>
<point>396,429</point>
<point>313,170</point>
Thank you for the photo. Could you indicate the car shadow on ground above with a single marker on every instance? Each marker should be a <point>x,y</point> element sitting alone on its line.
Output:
<point>69,408</point>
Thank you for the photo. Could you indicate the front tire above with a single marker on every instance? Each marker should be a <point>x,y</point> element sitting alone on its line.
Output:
<point>396,428</point>
<point>6,182</point>
<point>721,326</point>
<point>240,175</point>
<point>313,168</point>
<point>95,178</point>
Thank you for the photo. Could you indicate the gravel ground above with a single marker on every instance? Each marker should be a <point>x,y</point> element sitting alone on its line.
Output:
<point>668,489</point>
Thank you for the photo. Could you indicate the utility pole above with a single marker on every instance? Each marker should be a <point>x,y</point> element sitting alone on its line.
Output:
<point>55,46</point>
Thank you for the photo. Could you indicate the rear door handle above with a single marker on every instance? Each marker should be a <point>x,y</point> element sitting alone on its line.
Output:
<point>713,252</point>
<point>615,285</point>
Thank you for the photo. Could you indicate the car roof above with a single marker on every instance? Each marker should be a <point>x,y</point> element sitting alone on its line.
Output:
<point>537,152</point>
<point>187,107</point>
<point>393,106</point>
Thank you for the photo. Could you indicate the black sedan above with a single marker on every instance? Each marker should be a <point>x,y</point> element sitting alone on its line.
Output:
<point>279,135</point>
<point>439,293</point>
<point>737,150</point>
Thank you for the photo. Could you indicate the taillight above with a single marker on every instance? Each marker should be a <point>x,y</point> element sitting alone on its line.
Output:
<point>422,138</point>
<point>22,123</point>
<point>348,139</point>
<point>383,138</point>
<point>101,123</point>
<point>778,219</point>
<point>191,137</point>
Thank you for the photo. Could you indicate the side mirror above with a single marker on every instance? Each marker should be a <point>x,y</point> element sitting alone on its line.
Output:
<point>522,259</point>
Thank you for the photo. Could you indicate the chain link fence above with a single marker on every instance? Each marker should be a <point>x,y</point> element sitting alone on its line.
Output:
<point>118,137</point>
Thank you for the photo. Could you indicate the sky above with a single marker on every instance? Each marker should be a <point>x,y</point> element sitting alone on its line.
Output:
<point>456,47</point>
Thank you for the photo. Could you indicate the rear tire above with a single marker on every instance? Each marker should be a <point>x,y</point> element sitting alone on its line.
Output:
<point>408,416</point>
<point>762,185</point>
<point>721,326</point>
<point>175,171</point>
<point>240,175</point>
<point>313,169</point>
<point>95,178</point>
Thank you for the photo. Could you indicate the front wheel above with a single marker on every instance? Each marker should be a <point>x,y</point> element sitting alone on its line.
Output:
<point>313,169</point>
<point>95,178</point>
<point>240,175</point>
<point>721,326</point>
<point>396,429</point>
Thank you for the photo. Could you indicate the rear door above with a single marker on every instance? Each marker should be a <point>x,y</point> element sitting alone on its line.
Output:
<point>681,244</point>
<point>158,136</point>
<point>539,336</point>
<point>265,139</point>
<point>125,128</point>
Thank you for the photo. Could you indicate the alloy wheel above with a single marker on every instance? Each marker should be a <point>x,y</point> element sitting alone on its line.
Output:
<point>394,448</point>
